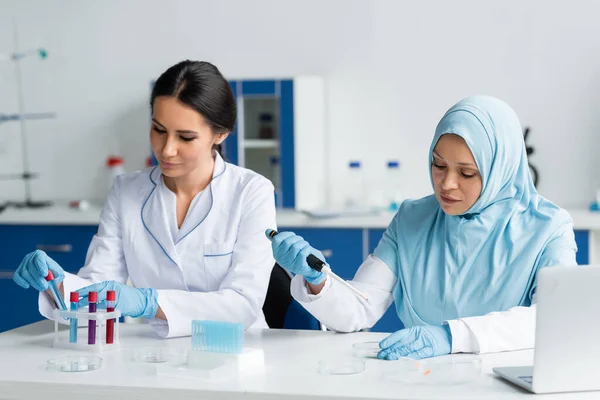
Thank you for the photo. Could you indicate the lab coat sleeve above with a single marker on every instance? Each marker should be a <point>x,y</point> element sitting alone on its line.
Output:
<point>339,309</point>
<point>513,329</point>
<point>242,293</point>
<point>104,260</point>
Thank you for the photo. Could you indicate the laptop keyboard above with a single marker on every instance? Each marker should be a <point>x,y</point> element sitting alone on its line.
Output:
<point>527,379</point>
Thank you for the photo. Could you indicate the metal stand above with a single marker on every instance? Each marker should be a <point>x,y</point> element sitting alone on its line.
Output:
<point>26,175</point>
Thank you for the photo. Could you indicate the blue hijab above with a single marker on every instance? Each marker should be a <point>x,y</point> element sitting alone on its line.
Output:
<point>486,259</point>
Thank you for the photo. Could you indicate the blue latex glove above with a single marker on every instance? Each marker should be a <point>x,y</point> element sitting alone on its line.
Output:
<point>132,302</point>
<point>417,342</point>
<point>33,270</point>
<point>290,251</point>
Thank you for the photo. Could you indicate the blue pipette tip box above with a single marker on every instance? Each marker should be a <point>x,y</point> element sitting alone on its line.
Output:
<point>218,336</point>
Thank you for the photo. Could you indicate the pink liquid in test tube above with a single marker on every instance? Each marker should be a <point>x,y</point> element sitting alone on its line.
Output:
<point>111,297</point>
<point>92,300</point>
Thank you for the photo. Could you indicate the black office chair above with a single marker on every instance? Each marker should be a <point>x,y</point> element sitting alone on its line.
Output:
<point>280,309</point>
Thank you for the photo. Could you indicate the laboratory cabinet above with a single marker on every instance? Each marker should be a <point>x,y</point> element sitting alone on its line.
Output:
<point>280,133</point>
<point>67,244</point>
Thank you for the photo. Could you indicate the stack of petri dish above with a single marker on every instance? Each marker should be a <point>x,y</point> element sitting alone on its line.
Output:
<point>74,364</point>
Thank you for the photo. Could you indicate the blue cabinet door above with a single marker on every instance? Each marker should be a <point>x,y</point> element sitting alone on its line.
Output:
<point>242,89</point>
<point>582,239</point>
<point>282,91</point>
<point>20,305</point>
<point>390,321</point>
<point>374,236</point>
<point>67,245</point>
<point>286,143</point>
<point>230,145</point>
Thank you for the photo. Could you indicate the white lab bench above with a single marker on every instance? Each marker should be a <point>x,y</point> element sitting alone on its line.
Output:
<point>287,369</point>
<point>60,214</point>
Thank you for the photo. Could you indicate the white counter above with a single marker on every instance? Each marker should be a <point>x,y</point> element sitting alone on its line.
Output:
<point>289,371</point>
<point>60,214</point>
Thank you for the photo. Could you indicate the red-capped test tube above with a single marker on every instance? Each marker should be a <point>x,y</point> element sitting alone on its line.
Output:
<point>60,302</point>
<point>92,300</point>
<point>74,299</point>
<point>111,298</point>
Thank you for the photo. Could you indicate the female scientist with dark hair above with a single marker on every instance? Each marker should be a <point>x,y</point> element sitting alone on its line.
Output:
<point>189,233</point>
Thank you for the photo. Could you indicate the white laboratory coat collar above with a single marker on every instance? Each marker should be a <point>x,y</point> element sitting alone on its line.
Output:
<point>155,219</point>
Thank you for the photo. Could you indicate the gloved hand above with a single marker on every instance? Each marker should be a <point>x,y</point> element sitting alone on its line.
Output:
<point>290,251</point>
<point>132,302</point>
<point>33,270</point>
<point>417,342</point>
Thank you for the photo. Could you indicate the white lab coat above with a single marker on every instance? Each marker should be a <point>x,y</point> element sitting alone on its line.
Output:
<point>217,269</point>
<point>340,309</point>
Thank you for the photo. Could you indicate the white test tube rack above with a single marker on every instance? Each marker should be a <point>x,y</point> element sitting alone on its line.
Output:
<point>83,316</point>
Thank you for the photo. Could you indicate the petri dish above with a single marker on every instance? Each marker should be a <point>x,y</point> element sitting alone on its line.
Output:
<point>74,364</point>
<point>341,366</point>
<point>198,364</point>
<point>442,371</point>
<point>366,349</point>
<point>156,354</point>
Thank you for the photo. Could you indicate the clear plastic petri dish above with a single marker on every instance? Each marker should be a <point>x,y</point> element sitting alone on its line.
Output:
<point>156,354</point>
<point>341,366</point>
<point>199,364</point>
<point>74,364</point>
<point>443,371</point>
<point>366,349</point>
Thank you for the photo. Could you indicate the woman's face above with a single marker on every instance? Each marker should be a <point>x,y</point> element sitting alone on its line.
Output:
<point>181,139</point>
<point>456,178</point>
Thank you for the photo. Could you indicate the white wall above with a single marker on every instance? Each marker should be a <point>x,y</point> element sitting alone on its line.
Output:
<point>392,69</point>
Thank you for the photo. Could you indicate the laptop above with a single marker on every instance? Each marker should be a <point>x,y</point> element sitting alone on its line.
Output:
<point>567,337</point>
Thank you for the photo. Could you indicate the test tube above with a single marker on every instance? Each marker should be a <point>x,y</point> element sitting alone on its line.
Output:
<point>60,302</point>
<point>92,300</point>
<point>73,324</point>
<point>111,297</point>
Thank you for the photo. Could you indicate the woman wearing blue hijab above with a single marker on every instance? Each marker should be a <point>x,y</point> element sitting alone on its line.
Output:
<point>461,264</point>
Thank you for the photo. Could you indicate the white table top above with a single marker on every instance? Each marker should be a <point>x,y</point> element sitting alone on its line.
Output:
<point>289,371</point>
<point>60,214</point>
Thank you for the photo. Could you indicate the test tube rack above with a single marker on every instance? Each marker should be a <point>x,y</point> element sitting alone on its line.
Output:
<point>83,316</point>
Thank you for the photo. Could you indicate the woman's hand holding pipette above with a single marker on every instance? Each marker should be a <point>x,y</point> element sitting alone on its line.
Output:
<point>296,255</point>
<point>290,251</point>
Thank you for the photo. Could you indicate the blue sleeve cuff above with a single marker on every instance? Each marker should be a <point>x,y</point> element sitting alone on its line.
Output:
<point>151,303</point>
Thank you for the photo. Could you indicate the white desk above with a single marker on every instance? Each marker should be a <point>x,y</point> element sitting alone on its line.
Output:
<point>289,372</point>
